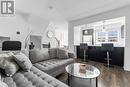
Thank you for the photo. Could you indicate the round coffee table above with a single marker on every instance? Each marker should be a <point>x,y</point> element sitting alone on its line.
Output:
<point>90,72</point>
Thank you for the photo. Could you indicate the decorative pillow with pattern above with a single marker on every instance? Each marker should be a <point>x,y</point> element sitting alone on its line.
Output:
<point>23,61</point>
<point>8,64</point>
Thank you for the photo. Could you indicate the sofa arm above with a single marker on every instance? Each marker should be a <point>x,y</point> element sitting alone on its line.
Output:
<point>71,55</point>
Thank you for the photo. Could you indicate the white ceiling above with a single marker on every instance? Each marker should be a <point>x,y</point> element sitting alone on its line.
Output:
<point>67,9</point>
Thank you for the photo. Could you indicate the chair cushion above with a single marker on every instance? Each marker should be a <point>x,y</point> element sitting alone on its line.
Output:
<point>34,78</point>
<point>23,61</point>
<point>8,64</point>
<point>38,55</point>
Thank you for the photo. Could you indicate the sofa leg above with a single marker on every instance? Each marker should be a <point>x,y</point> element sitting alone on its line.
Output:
<point>68,80</point>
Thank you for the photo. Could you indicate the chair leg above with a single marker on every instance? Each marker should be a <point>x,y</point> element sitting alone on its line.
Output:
<point>84,55</point>
<point>108,61</point>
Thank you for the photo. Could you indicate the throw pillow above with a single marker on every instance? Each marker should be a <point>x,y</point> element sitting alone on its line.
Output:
<point>61,53</point>
<point>23,61</point>
<point>2,84</point>
<point>26,52</point>
<point>71,55</point>
<point>53,52</point>
<point>38,55</point>
<point>8,64</point>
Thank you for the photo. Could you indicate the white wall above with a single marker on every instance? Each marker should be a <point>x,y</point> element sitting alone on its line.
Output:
<point>26,23</point>
<point>61,33</point>
<point>10,25</point>
<point>40,26</point>
<point>125,11</point>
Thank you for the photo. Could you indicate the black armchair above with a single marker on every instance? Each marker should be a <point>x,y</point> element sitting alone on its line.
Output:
<point>11,45</point>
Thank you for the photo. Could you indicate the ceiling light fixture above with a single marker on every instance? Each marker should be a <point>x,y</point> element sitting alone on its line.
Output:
<point>104,24</point>
<point>50,7</point>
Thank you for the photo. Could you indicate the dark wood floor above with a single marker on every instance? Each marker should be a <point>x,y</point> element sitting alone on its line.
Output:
<point>114,77</point>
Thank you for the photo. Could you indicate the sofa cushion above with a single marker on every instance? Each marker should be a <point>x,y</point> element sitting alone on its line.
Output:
<point>52,65</point>
<point>34,78</point>
<point>8,64</point>
<point>62,53</point>
<point>38,55</point>
<point>23,61</point>
<point>53,52</point>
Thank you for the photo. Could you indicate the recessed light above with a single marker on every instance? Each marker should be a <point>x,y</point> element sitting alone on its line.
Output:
<point>50,7</point>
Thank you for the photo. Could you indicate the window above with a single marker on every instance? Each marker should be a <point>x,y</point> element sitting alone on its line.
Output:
<point>101,36</point>
<point>113,36</point>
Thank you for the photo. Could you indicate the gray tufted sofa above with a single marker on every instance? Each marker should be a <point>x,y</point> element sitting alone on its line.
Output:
<point>34,78</point>
<point>51,64</point>
<point>42,72</point>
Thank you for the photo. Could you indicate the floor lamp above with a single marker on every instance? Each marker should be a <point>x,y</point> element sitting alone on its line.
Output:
<point>84,47</point>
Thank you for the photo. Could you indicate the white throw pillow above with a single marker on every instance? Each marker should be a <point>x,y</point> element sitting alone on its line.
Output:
<point>8,64</point>
<point>2,84</point>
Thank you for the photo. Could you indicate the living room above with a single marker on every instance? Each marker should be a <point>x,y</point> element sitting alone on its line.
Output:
<point>64,43</point>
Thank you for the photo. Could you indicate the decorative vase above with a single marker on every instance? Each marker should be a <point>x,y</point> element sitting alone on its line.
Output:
<point>82,68</point>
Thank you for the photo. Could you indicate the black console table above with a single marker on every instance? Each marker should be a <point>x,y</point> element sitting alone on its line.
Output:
<point>95,53</point>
